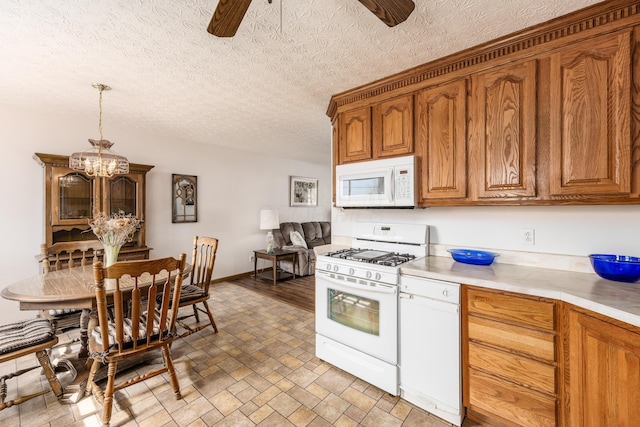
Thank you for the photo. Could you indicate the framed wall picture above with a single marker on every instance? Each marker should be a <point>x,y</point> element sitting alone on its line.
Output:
<point>184,190</point>
<point>304,191</point>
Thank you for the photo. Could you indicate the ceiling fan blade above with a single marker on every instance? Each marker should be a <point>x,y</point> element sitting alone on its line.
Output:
<point>227,17</point>
<point>391,12</point>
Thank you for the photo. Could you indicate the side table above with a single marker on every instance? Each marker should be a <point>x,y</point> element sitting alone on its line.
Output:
<point>277,256</point>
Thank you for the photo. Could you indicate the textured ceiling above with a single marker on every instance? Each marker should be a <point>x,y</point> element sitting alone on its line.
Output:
<point>264,90</point>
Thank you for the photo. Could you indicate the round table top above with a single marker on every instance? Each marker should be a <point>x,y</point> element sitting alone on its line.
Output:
<point>67,288</point>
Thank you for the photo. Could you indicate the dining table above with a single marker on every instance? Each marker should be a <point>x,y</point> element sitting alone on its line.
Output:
<point>72,288</point>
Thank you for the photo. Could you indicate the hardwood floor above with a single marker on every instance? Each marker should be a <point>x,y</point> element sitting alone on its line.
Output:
<point>299,292</point>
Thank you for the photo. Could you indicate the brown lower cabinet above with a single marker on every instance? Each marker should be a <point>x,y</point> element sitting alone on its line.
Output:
<point>531,361</point>
<point>510,348</point>
<point>603,370</point>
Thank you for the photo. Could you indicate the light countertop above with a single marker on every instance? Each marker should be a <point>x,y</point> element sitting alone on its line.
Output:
<point>614,299</point>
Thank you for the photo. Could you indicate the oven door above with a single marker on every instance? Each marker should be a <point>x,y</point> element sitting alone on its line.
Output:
<point>359,313</point>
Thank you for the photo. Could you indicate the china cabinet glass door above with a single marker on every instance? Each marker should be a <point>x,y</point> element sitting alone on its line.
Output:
<point>122,196</point>
<point>74,193</point>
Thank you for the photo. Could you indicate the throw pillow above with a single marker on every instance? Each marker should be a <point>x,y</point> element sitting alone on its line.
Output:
<point>297,240</point>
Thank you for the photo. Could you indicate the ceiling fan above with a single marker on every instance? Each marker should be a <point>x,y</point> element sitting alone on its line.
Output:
<point>229,13</point>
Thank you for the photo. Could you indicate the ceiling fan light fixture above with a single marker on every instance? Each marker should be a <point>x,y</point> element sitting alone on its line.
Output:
<point>99,160</point>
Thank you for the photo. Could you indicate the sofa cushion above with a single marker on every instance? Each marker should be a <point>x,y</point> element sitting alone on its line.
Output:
<point>286,228</point>
<point>317,233</point>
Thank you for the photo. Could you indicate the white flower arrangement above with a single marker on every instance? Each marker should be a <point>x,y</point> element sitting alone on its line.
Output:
<point>114,230</point>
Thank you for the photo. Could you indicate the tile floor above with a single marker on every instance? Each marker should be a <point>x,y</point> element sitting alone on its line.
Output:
<point>259,370</point>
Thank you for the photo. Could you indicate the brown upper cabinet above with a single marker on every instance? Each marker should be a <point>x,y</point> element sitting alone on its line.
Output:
<point>590,117</point>
<point>441,139</point>
<point>503,146</point>
<point>547,115</point>
<point>392,123</point>
<point>382,130</point>
<point>354,133</point>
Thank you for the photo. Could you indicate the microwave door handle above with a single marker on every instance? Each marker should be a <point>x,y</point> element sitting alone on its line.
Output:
<point>391,180</point>
<point>379,289</point>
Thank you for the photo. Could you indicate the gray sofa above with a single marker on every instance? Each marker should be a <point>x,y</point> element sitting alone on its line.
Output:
<point>314,233</point>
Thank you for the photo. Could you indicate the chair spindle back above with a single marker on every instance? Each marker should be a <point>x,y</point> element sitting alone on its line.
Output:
<point>61,255</point>
<point>140,320</point>
<point>203,260</point>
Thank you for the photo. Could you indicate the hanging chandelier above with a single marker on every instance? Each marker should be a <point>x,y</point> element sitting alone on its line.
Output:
<point>99,160</point>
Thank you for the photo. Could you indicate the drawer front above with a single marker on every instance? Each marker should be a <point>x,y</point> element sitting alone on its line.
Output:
<point>513,403</point>
<point>524,341</point>
<point>512,308</point>
<point>133,256</point>
<point>517,369</point>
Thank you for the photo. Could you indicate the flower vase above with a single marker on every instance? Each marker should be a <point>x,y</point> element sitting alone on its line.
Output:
<point>111,254</point>
<point>110,257</point>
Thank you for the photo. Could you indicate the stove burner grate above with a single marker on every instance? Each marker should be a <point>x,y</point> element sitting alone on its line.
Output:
<point>389,259</point>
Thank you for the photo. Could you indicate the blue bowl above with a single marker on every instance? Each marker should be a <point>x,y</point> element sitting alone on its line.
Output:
<point>470,256</point>
<point>620,268</point>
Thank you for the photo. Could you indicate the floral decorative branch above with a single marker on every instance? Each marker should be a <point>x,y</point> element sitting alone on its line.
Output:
<point>116,229</point>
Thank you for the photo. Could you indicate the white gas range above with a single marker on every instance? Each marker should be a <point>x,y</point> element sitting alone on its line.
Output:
<point>357,300</point>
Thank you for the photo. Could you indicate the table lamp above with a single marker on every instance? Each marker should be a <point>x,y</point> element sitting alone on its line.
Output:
<point>268,221</point>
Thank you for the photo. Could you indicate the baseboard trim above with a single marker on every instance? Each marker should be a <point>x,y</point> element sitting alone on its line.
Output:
<point>236,276</point>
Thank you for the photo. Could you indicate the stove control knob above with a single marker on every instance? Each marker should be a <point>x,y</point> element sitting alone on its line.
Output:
<point>378,276</point>
<point>336,268</point>
<point>368,275</point>
<point>328,267</point>
<point>351,271</point>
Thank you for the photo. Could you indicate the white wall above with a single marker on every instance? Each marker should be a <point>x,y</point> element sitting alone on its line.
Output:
<point>563,230</point>
<point>233,186</point>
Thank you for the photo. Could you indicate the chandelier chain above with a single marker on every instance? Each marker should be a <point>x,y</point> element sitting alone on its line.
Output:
<point>100,115</point>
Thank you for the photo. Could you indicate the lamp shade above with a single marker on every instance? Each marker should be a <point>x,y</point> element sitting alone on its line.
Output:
<point>269,219</point>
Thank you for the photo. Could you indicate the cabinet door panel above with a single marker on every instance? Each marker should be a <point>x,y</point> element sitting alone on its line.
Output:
<point>590,117</point>
<point>393,127</point>
<point>355,135</point>
<point>441,132</point>
<point>123,195</point>
<point>505,109</point>
<point>604,372</point>
<point>73,197</point>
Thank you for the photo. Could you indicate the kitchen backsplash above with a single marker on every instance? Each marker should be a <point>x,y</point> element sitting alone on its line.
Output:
<point>579,264</point>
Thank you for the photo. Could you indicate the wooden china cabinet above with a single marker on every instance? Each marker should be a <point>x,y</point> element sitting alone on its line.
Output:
<point>71,197</point>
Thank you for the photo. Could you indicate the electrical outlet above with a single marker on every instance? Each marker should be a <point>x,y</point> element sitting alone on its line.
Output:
<point>251,259</point>
<point>528,236</point>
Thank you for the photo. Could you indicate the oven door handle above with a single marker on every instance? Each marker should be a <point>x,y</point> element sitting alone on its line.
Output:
<point>381,289</point>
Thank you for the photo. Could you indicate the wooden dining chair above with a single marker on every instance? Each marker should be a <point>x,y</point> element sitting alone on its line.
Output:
<point>197,290</point>
<point>140,324</point>
<point>67,255</point>
<point>34,336</point>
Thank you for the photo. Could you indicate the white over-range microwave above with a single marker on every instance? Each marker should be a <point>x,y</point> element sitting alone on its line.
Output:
<point>386,183</point>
